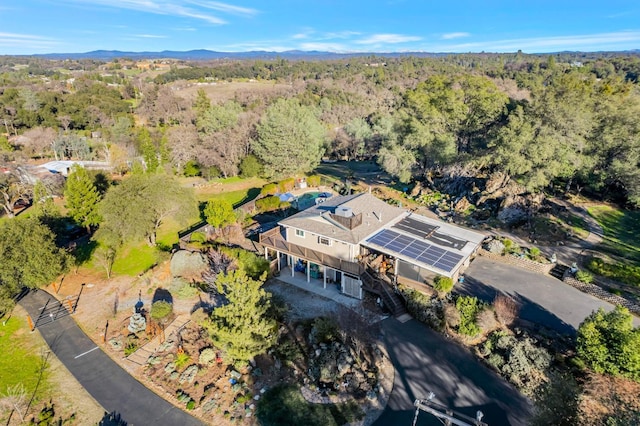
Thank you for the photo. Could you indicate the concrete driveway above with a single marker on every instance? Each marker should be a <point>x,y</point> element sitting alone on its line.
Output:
<point>114,389</point>
<point>544,299</point>
<point>425,361</point>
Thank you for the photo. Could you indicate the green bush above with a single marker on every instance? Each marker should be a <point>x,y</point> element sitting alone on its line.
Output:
<point>424,308</point>
<point>182,359</point>
<point>191,169</point>
<point>130,346</point>
<point>510,246</point>
<point>584,276</point>
<point>534,253</point>
<point>442,284</point>
<point>269,189</point>
<point>160,310</point>
<point>191,404</point>
<point>468,307</point>
<point>314,181</point>
<point>211,172</point>
<point>248,262</point>
<point>268,204</point>
<point>287,185</point>
<point>608,343</point>
<point>250,167</point>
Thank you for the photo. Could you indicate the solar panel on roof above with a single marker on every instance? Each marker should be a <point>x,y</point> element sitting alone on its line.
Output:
<point>416,249</point>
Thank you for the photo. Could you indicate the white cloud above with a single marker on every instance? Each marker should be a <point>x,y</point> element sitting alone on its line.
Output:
<point>387,39</point>
<point>149,36</point>
<point>195,9</point>
<point>29,41</point>
<point>224,7</point>
<point>449,36</point>
<point>331,47</point>
<point>544,44</point>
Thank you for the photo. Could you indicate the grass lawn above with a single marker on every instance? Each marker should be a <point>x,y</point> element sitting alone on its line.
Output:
<point>134,259</point>
<point>621,229</point>
<point>236,198</point>
<point>20,358</point>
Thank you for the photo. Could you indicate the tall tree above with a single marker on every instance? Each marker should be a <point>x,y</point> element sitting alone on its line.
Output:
<point>81,198</point>
<point>29,258</point>
<point>243,328</point>
<point>290,139</point>
<point>138,206</point>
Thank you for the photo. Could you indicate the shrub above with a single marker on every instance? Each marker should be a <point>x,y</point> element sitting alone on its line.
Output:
<point>268,203</point>
<point>442,284</point>
<point>182,359</point>
<point>451,316</point>
<point>534,253</point>
<point>486,320</point>
<point>286,185</point>
<point>182,289</point>
<point>207,356</point>
<point>130,346</point>
<point>468,307</point>
<point>248,262</point>
<point>626,273</point>
<point>191,169</point>
<point>160,310</point>
<point>609,344</point>
<point>191,404</point>
<point>211,172</point>
<point>269,189</point>
<point>324,330</point>
<point>584,276</point>
<point>250,166</point>
<point>506,309</point>
<point>314,180</point>
<point>424,308</point>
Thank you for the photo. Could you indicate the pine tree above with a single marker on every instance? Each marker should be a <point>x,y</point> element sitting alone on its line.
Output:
<point>242,328</point>
<point>82,197</point>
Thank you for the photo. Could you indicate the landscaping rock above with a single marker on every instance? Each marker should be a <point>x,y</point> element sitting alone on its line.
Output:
<point>495,246</point>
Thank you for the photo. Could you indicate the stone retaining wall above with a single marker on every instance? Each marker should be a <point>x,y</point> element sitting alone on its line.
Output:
<point>598,292</point>
<point>542,268</point>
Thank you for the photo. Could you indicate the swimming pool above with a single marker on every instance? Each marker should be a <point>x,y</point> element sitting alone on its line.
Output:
<point>308,199</point>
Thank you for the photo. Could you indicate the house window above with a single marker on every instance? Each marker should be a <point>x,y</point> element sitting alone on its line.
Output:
<point>324,241</point>
<point>299,233</point>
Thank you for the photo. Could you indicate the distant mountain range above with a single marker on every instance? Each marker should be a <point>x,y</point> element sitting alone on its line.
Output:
<point>203,55</point>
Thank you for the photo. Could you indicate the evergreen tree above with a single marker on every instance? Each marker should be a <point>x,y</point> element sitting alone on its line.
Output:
<point>82,197</point>
<point>242,328</point>
<point>290,139</point>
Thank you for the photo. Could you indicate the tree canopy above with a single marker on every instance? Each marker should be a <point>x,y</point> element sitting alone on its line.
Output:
<point>290,139</point>
<point>219,213</point>
<point>242,327</point>
<point>609,343</point>
<point>81,197</point>
<point>137,207</point>
<point>29,256</point>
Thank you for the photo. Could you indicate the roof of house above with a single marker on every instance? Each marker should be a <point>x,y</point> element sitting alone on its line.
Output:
<point>368,212</point>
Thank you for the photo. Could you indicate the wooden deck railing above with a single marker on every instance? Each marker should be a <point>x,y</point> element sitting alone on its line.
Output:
<point>273,239</point>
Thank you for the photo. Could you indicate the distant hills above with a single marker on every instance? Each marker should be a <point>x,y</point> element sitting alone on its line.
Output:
<point>203,54</point>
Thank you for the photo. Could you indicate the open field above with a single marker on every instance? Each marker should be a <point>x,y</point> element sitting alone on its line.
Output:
<point>621,229</point>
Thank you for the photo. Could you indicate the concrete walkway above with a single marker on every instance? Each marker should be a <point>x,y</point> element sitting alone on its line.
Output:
<point>108,383</point>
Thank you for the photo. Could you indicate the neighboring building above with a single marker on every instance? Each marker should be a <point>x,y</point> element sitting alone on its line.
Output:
<point>359,242</point>
<point>63,167</point>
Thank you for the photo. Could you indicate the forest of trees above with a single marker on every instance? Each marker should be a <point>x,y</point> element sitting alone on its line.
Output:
<point>554,121</point>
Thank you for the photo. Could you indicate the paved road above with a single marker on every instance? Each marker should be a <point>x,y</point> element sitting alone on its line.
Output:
<point>110,385</point>
<point>545,300</point>
<point>426,362</point>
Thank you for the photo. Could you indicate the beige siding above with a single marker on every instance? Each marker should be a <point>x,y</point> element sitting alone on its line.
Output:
<point>338,249</point>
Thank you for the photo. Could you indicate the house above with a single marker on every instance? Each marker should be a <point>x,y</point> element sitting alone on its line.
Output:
<point>362,243</point>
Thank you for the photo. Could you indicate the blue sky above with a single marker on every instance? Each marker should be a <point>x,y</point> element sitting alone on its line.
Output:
<point>534,26</point>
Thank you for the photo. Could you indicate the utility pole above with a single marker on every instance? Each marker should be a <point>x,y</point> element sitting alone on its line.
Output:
<point>446,415</point>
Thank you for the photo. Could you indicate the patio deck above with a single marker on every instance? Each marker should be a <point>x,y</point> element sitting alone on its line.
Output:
<point>315,286</point>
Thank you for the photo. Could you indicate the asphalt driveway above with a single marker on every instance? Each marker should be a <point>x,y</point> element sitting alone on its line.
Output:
<point>425,361</point>
<point>544,299</point>
<point>110,385</point>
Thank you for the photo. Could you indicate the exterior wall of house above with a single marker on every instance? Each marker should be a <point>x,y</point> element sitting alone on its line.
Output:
<point>336,248</point>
